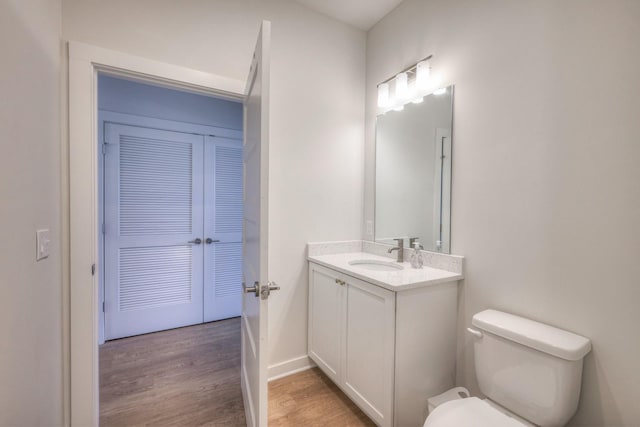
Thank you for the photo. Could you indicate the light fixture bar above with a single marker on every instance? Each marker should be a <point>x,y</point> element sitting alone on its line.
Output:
<point>409,69</point>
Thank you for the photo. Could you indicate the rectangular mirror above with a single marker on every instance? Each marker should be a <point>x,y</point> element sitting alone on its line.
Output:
<point>413,172</point>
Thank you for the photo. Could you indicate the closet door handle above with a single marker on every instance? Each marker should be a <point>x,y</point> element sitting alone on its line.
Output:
<point>196,241</point>
<point>210,241</point>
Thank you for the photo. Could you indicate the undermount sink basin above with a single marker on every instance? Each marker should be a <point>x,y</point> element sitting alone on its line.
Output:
<point>374,264</point>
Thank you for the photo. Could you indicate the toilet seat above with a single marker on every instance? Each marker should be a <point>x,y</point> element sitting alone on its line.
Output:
<point>469,412</point>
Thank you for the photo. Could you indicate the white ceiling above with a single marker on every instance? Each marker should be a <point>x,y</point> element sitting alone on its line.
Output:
<point>362,14</point>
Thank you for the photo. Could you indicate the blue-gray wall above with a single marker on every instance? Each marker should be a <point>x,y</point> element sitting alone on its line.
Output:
<point>125,96</point>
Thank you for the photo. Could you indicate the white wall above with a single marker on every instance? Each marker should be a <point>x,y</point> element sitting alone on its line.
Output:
<point>546,204</point>
<point>317,132</point>
<point>30,291</point>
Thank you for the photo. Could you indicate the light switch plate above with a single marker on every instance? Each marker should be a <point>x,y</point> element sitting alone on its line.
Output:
<point>42,244</point>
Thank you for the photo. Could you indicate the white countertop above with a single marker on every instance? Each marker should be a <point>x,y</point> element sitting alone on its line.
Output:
<point>397,280</point>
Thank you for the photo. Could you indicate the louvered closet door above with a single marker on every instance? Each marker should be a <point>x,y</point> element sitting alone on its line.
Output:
<point>223,225</point>
<point>153,209</point>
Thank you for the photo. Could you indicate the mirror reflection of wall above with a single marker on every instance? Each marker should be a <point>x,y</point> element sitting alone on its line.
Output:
<point>413,172</point>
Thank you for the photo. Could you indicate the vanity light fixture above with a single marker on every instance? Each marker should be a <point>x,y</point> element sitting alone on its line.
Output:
<point>409,85</point>
<point>402,86</point>
<point>383,95</point>
<point>423,71</point>
<point>414,93</point>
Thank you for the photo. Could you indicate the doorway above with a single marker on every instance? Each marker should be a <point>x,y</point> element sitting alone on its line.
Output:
<point>171,207</point>
<point>170,214</point>
<point>85,63</point>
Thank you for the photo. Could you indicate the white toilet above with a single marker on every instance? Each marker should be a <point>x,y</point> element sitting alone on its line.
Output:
<point>530,372</point>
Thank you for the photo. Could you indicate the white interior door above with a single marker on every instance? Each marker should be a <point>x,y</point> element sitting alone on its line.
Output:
<point>222,228</point>
<point>154,219</point>
<point>255,268</point>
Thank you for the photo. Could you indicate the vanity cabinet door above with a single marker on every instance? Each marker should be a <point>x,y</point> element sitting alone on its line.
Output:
<point>325,317</point>
<point>369,347</point>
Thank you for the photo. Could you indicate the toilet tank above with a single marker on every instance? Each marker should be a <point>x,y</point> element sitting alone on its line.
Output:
<point>532,369</point>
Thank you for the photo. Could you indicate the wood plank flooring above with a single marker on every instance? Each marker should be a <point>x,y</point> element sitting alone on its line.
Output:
<point>191,377</point>
<point>310,398</point>
<point>184,377</point>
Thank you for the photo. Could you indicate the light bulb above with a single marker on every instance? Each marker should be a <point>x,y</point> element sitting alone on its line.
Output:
<point>402,86</point>
<point>383,95</point>
<point>435,81</point>
<point>411,90</point>
<point>423,70</point>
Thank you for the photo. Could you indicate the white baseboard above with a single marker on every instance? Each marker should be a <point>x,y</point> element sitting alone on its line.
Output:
<point>289,367</point>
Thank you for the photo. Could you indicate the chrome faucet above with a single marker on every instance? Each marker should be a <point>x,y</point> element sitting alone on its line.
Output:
<point>399,248</point>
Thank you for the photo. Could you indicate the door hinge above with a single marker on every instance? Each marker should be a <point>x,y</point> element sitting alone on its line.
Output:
<point>104,148</point>
<point>103,307</point>
<point>104,227</point>
<point>93,269</point>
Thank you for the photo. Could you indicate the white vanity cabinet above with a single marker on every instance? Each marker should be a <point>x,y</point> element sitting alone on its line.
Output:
<point>388,351</point>
<point>351,338</point>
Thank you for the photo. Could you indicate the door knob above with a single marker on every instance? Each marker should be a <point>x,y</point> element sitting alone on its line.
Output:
<point>196,241</point>
<point>255,288</point>
<point>210,241</point>
<point>266,290</point>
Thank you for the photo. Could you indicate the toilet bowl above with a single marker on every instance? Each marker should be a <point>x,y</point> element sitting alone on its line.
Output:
<point>530,372</point>
<point>472,412</point>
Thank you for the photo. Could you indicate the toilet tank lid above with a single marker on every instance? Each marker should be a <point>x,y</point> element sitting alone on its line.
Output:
<point>548,339</point>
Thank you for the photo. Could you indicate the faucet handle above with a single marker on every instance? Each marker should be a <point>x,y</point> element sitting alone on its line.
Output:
<point>400,242</point>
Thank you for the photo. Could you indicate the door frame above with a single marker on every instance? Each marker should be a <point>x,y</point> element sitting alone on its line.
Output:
<point>85,62</point>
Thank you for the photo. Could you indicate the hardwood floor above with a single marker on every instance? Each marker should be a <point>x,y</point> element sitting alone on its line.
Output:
<point>191,377</point>
<point>310,398</point>
<point>184,377</point>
